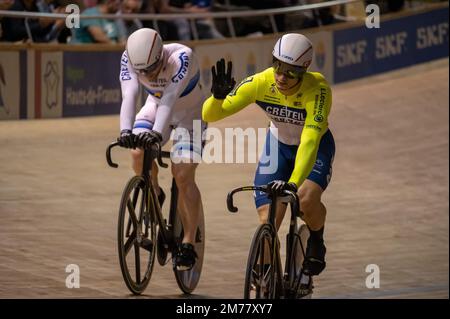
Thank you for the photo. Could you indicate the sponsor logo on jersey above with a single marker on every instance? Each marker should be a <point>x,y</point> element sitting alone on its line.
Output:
<point>273,90</point>
<point>182,71</point>
<point>280,113</point>
<point>158,94</point>
<point>319,104</point>
<point>124,72</point>
<point>314,127</point>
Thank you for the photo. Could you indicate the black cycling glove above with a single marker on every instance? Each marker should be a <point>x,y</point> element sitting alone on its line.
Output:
<point>146,139</point>
<point>126,139</point>
<point>279,186</point>
<point>222,82</point>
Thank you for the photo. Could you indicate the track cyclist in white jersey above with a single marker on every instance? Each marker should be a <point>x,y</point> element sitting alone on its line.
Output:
<point>170,74</point>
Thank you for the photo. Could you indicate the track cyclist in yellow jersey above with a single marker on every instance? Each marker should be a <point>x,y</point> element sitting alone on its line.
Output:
<point>298,103</point>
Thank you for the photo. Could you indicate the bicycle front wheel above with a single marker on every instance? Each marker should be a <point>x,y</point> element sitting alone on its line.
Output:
<point>187,280</point>
<point>262,280</point>
<point>136,235</point>
<point>299,287</point>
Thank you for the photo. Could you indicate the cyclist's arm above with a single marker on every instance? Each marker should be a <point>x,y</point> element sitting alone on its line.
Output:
<point>174,89</point>
<point>318,105</point>
<point>243,95</point>
<point>129,84</point>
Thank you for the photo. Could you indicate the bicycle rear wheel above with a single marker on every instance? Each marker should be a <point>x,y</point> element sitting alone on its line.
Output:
<point>262,280</point>
<point>298,287</point>
<point>187,280</point>
<point>136,233</point>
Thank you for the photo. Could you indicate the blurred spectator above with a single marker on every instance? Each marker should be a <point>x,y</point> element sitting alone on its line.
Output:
<point>6,4</point>
<point>167,29</point>
<point>318,17</point>
<point>258,25</point>
<point>205,27</point>
<point>15,29</point>
<point>89,3</point>
<point>127,27</point>
<point>59,31</point>
<point>388,5</point>
<point>98,30</point>
<point>180,29</point>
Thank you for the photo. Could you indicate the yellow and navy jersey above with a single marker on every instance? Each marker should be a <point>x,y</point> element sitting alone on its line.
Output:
<point>299,119</point>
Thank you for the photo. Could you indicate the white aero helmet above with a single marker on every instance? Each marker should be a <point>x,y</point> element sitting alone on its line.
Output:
<point>144,48</point>
<point>294,49</point>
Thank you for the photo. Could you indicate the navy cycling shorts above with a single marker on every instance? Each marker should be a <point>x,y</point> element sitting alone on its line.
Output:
<point>269,169</point>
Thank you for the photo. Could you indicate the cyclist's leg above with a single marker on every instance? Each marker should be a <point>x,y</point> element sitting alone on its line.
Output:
<point>274,164</point>
<point>189,198</point>
<point>185,155</point>
<point>314,211</point>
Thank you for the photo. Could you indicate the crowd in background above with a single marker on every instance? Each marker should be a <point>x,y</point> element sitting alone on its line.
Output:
<point>180,29</point>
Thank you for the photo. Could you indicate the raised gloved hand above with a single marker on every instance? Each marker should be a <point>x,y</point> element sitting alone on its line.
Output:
<point>279,186</point>
<point>146,139</point>
<point>126,139</point>
<point>222,82</point>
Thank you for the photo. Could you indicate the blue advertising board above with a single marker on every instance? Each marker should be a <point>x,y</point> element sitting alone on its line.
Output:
<point>397,43</point>
<point>91,83</point>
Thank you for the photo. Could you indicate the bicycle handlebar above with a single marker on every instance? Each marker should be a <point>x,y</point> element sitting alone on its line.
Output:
<point>159,156</point>
<point>293,197</point>
<point>108,154</point>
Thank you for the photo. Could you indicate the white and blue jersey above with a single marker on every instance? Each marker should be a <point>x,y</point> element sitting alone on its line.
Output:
<point>175,98</point>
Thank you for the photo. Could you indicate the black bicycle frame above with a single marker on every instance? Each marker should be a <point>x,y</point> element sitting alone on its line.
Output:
<point>150,155</point>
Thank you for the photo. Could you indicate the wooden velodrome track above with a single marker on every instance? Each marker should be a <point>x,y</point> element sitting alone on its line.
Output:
<point>387,203</point>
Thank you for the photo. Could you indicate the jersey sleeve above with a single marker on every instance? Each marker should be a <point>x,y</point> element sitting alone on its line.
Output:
<point>318,105</point>
<point>181,61</point>
<point>241,96</point>
<point>129,85</point>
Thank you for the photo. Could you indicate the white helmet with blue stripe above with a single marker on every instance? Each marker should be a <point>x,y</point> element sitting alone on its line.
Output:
<point>294,49</point>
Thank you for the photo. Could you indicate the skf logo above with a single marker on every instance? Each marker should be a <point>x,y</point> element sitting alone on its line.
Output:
<point>390,45</point>
<point>350,53</point>
<point>287,57</point>
<point>432,35</point>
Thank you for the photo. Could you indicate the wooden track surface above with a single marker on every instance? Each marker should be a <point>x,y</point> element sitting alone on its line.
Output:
<point>387,202</point>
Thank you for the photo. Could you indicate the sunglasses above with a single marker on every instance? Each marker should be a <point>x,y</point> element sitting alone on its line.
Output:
<point>150,69</point>
<point>289,71</point>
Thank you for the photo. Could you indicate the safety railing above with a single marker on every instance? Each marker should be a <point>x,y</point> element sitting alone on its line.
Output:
<point>228,15</point>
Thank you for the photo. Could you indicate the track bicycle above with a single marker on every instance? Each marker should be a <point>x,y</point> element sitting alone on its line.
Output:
<point>265,278</point>
<point>143,232</point>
